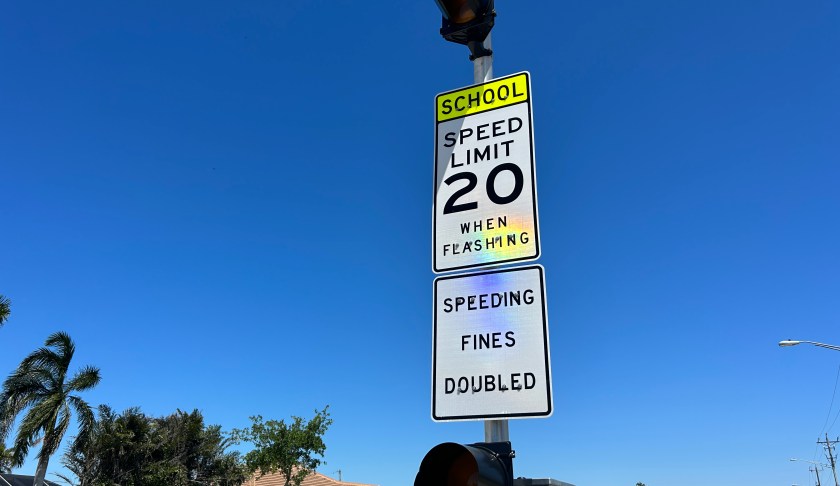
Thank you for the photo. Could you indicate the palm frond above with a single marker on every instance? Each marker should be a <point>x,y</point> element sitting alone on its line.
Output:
<point>21,383</point>
<point>5,309</point>
<point>21,449</point>
<point>87,378</point>
<point>65,478</point>
<point>62,342</point>
<point>53,439</point>
<point>85,417</point>
<point>44,359</point>
<point>37,419</point>
<point>19,392</point>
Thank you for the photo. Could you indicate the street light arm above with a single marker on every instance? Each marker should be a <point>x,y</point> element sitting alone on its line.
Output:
<point>822,345</point>
<point>789,342</point>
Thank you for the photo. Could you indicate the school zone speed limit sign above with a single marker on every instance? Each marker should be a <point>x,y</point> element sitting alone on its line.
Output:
<point>485,203</point>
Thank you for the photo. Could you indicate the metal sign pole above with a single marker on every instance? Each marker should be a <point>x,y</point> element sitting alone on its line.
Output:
<point>483,66</point>
<point>494,430</point>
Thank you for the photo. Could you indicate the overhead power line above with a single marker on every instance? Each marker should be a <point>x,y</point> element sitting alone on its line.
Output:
<point>831,405</point>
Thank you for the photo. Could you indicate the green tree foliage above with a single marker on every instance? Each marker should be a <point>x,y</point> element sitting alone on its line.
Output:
<point>6,455</point>
<point>131,449</point>
<point>640,484</point>
<point>6,459</point>
<point>287,448</point>
<point>5,309</point>
<point>40,387</point>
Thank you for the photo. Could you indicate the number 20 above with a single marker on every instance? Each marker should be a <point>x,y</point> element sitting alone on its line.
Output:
<point>472,180</point>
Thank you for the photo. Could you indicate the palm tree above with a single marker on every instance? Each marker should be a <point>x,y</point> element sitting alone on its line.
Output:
<point>4,310</point>
<point>40,387</point>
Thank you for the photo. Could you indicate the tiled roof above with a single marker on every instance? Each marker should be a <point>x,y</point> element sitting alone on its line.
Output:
<point>20,480</point>
<point>313,479</point>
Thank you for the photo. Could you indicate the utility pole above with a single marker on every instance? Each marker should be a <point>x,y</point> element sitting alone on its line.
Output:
<point>817,471</point>
<point>829,447</point>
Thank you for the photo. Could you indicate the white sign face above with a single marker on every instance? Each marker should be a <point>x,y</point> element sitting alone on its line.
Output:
<point>485,209</point>
<point>491,358</point>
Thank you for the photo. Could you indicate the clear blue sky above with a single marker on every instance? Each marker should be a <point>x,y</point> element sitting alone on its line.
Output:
<point>227,205</point>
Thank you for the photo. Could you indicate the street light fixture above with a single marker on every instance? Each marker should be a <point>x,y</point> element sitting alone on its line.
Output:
<point>789,342</point>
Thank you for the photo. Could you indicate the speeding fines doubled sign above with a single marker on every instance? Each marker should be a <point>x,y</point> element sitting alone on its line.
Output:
<point>490,357</point>
<point>485,207</point>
